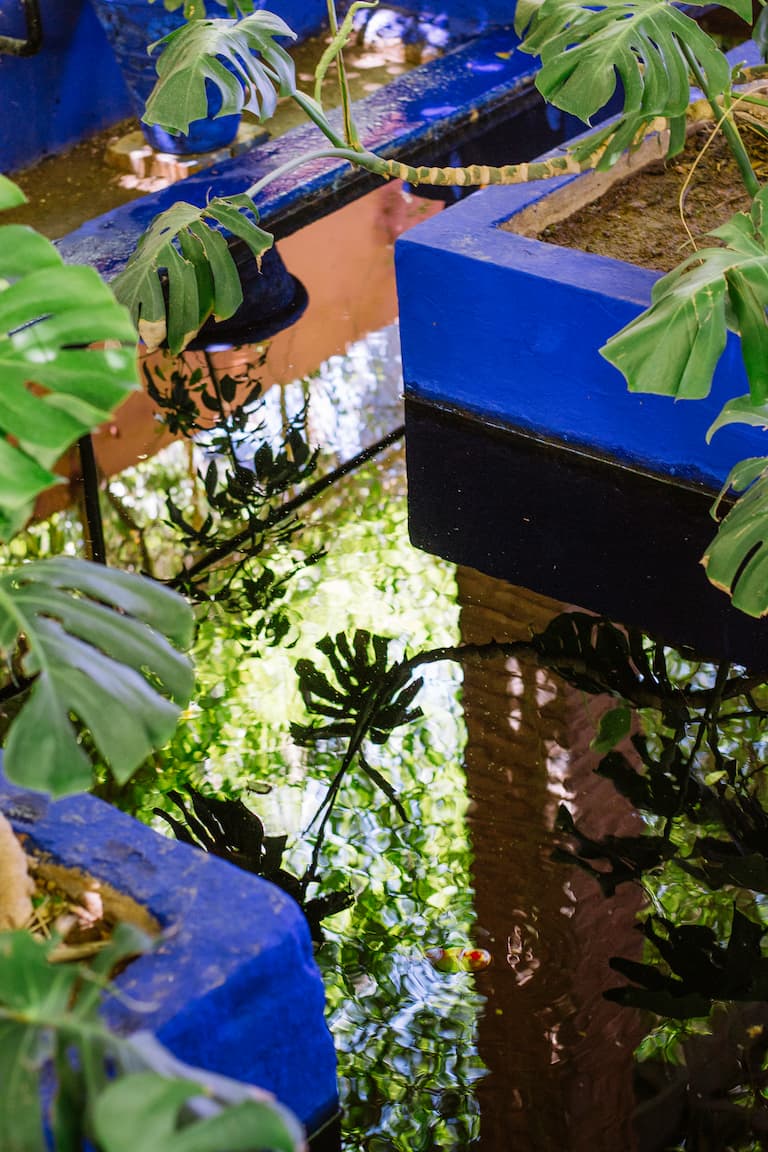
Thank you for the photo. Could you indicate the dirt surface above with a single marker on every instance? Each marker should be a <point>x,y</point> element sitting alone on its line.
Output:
<point>638,220</point>
<point>71,187</point>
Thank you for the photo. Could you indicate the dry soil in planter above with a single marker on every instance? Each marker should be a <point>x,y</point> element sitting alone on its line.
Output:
<point>638,219</point>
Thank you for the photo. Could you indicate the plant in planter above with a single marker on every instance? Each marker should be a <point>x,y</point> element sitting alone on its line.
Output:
<point>656,51</point>
<point>92,656</point>
<point>115,1087</point>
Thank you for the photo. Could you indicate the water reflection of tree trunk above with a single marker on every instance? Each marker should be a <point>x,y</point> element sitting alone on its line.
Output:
<point>560,1056</point>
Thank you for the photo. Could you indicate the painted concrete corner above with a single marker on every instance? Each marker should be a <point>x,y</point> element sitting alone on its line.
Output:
<point>508,329</point>
<point>233,984</point>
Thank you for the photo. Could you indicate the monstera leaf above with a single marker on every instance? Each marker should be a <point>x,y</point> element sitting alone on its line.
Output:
<point>54,388</point>
<point>11,196</point>
<point>249,1125</point>
<point>645,44</point>
<point>97,645</point>
<point>222,52</point>
<point>202,277</point>
<point>737,559</point>
<point>673,347</point>
<point>109,1087</point>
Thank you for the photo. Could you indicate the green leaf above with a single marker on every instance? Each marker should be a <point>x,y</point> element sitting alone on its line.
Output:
<point>673,347</point>
<point>11,196</point>
<point>55,389</point>
<point>97,643</point>
<point>30,986</point>
<point>195,9</point>
<point>156,1099</point>
<point>21,1127</point>
<point>737,559</point>
<point>740,410</point>
<point>760,32</point>
<point>614,726</point>
<point>202,277</point>
<point>123,1085</point>
<point>586,51</point>
<point>246,1126</point>
<point>240,57</point>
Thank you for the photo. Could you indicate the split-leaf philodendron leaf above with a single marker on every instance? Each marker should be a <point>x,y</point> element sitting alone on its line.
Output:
<point>108,1087</point>
<point>245,1126</point>
<point>202,277</point>
<point>673,347</point>
<point>240,57</point>
<point>98,644</point>
<point>56,387</point>
<point>737,559</point>
<point>586,50</point>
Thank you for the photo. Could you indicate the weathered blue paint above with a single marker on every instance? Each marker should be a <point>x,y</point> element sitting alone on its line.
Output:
<point>508,329</point>
<point>70,89</point>
<point>233,986</point>
<point>410,117</point>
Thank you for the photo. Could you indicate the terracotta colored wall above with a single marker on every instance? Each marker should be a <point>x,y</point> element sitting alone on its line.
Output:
<point>560,1055</point>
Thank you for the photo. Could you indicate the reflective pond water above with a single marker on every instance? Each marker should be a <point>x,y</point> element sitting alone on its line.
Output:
<point>444,833</point>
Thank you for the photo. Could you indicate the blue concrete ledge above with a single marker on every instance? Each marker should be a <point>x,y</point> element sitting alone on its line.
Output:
<point>233,984</point>
<point>69,90</point>
<point>508,329</point>
<point>410,118</point>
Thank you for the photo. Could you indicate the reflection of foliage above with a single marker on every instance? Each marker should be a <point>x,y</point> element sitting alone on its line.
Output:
<point>703,970</point>
<point>709,1092</point>
<point>370,692</point>
<point>405,1033</point>
<point>628,857</point>
<point>228,829</point>
<point>239,515</point>
<point>683,774</point>
<point>370,699</point>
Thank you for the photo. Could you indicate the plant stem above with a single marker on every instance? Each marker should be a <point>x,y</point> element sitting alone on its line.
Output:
<point>350,132</point>
<point>290,165</point>
<point>90,478</point>
<point>730,131</point>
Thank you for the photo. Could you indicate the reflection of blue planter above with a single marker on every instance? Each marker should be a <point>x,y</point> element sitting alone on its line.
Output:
<point>132,25</point>
<point>233,986</point>
<point>273,299</point>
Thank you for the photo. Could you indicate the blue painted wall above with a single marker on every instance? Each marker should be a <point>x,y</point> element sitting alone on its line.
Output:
<point>70,89</point>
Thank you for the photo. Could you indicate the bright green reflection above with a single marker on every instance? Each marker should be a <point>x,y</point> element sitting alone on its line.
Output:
<point>405,1033</point>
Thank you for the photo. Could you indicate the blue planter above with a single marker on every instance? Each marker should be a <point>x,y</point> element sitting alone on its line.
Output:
<point>233,986</point>
<point>527,456</point>
<point>132,25</point>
